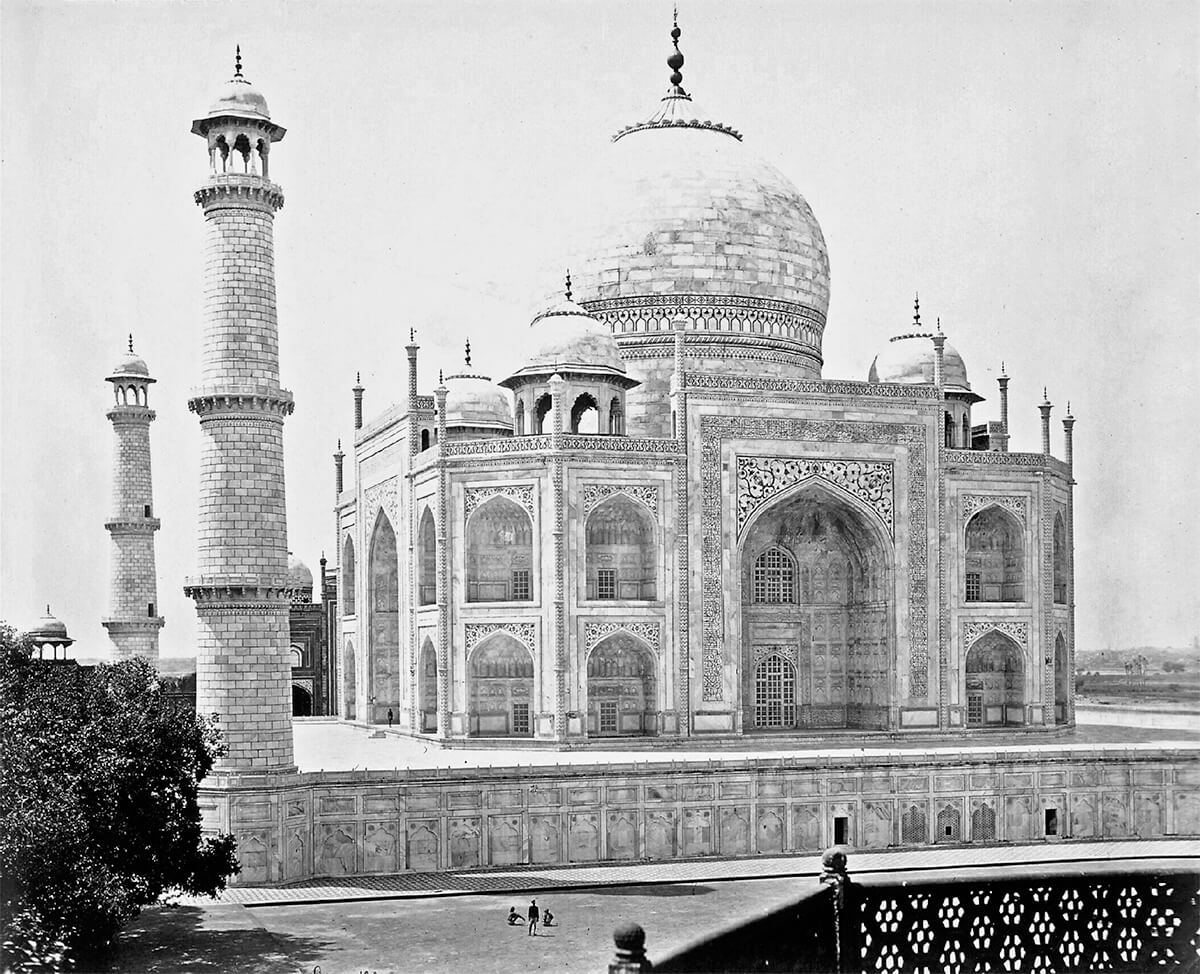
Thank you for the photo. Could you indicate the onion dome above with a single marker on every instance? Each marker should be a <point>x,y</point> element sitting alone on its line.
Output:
<point>566,338</point>
<point>49,629</point>
<point>299,580</point>
<point>130,365</point>
<point>684,218</point>
<point>909,360</point>
<point>473,400</point>
<point>239,99</point>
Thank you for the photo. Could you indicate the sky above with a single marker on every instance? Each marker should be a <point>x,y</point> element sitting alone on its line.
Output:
<point>1029,167</point>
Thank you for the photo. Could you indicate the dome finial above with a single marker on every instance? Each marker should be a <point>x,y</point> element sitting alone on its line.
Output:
<point>917,310</point>
<point>468,353</point>
<point>441,381</point>
<point>939,324</point>
<point>237,62</point>
<point>568,289</point>
<point>131,343</point>
<point>675,61</point>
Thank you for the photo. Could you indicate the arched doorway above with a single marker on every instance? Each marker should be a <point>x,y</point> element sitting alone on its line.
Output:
<point>383,650</point>
<point>301,701</point>
<point>995,682</point>
<point>622,551</point>
<point>499,553</point>
<point>995,557</point>
<point>500,690</point>
<point>816,596</point>
<point>427,687</point>
<point>349,682</point>
<point>1062,674</point>
<point>622,688</point>
<point>426,560</point>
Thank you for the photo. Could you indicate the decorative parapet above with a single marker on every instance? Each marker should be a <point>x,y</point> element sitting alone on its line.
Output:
<point>596,632</point>
<point>541,445</point>
<point>761,478</point>
<point>816,387</point>
<point>520,494</point>
<point>594,494</point>
<point>994,458</point>
<point>1014,503</point>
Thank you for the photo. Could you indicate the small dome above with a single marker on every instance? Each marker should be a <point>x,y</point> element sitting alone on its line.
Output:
<point>909,359</point>
<point>298,575</point>
<point>474,400</point>
<point>48,627</point>
<point>240,98</point>
<point>566,338</point>
<point>130,364</point>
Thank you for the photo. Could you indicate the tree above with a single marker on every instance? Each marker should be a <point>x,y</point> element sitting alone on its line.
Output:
<point>98,802</point>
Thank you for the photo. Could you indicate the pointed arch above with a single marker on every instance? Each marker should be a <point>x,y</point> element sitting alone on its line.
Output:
<point>500,687</point>
<point>427,686</point>
<point>383,603</point>
<point>1062,680</point>
<point>301,701</point>
<point>541,409</point>
<point>995,557</point>
<point>499,552</point>
<point>1061,560</point>
<point>622,687</point>
<point>519,421</point>
<point>349,681</point>
<point>585,414</point>
<point>621,550</point>
<point>774,576</point>
<point>426,559</point>
<point>994,675</point>
<point>348,580</point>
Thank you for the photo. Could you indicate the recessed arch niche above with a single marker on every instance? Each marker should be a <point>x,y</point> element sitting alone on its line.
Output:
<point>349,683</point>
<point>500,688</point>
<point>347,593</point>
<point>995,557</point>
<point>622,688</point>
<point>622,551</point>
<point>426,560</point>
<point>995,681</point>
<point>383,650</point>
<point>427,687</point>
<point>816,615</point>
<point>1062,679</point>
<point>1061,570</point>
<point>499,553</point>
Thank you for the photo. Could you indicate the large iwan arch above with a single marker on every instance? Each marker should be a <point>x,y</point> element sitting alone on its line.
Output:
<point>817,612</point>
<point>383,650</point>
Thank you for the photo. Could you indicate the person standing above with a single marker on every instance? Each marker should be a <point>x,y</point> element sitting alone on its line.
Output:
<point>391,717</point>
<point>534,916</point>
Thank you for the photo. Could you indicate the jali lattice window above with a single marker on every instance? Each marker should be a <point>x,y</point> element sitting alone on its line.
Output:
<point>973,579</point>
<point>774,577</point>
<point>521,590</point>
<point>774,692</point>
<point>606,583</point>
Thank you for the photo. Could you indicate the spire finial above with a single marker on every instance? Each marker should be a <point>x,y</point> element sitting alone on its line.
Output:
<point>1068,407</point>
<point>441,381</point>
<point>939,324</point>
<point>412,336</point>
<point>358,378</point>
<point>47,608</point>
<point>1002,372</point>
<point>917,310</point>
<point>568,284</point>
<point>131,343</point>
<point>237,62</point>
<point>468,353</point>
<point>1045,395</point>
<point>339,443</point>
<point>675,61</point>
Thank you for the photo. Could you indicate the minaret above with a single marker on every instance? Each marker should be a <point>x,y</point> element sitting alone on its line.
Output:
<point>243,669</point>
<point>133,620</point>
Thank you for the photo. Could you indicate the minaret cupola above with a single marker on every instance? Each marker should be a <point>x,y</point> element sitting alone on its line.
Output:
<point>238,128</point>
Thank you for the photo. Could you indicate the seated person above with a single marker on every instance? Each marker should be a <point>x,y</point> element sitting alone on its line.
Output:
<point>514,918</point>
<point>547,918</point>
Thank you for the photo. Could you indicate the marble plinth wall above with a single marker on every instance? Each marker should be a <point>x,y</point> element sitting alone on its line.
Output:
<point>301,826</point>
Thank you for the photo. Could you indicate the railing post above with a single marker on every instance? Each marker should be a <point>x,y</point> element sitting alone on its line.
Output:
<point>845,908</point>
<point>630,958</point>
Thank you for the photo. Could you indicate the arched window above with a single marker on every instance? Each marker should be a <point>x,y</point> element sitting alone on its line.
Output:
<point>499,553</point>
<point>347,592</point>
<point>297,654</point>
<point>301,701</point>
<point>1062,676</point>
<point>426,560</point>
<point>585,415</point>
<point>1060,560</point>
<point>500,676</point>
<point>520,423</point>
<point>424,439</point>
<point>949,430</point>
<point>383,650</point>
<point>995,682</point>
<point>774,577</point>
<point>541,410</point>
<point>349,681</point>
<point>616,418</point>
<point>427,687</point>
<point>622,698</point>
<point>995,557</point>
<point>966,432</point>
<point>622,551</point>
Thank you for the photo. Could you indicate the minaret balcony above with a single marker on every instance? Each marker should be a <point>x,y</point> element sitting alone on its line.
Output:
<point>239,188</point>
<point>133,525</point>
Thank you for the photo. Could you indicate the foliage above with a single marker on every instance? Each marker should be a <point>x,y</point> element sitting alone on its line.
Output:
<point>98,802</point>
<point>1170,667</point>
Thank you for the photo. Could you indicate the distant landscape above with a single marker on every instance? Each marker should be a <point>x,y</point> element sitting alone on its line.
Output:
<point>1143,677</point>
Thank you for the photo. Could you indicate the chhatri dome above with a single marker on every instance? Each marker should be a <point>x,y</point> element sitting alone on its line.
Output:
<point>685,214</point>
<point>909,359</point>
<point>238,97</point>
<point>130,364</point>
<point>474,402</point>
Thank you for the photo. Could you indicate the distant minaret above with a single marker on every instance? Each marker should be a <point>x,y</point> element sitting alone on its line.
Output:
<point>243,668</point>
<point>133,620</point>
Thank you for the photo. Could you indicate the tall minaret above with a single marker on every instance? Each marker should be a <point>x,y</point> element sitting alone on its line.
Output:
<point>243,669</point>
<point>133,621</point>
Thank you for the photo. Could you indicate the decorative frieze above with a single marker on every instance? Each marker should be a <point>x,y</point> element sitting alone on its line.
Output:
<point>594,494</point>
<point>787,651</point>
<point>973,629</point>
<point>595,632</point>
<point>523,632</point>
<point>819,387</point>
<point>519,494</point>
<point>1015,504</point>
<point>761,478</point>
<point>304,682</point>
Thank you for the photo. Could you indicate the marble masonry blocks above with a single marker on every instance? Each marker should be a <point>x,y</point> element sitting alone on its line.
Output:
<point>338,824</point>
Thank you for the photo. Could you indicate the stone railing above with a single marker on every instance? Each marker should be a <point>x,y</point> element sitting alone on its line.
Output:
<point>1113,916</point>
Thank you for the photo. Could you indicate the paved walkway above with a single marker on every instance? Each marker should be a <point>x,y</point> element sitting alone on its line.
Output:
<point>538,878</point>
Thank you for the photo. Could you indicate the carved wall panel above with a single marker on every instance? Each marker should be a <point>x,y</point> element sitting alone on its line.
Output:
<point>380,848</point>
<point>336,846</point>
<point>735,831</point>
<point>877,824</point>
<point>595,632</point>
<point>806,827</point>
<point>583,837</point>
<point>520,494</point>
<point>594,494</point>
<point>1083,817</point>
<point>505,846</point>
<point>1115,811</point>
<point>1013,503</point>
<point>523,632</point>
<point>544,838</point>
<point>422,851</point>
<point>661,835</point>
<point>761,478</point>
<point>623,835</point>
<point>463,839</point>
<point>697,832</point>
<point>254,855</point>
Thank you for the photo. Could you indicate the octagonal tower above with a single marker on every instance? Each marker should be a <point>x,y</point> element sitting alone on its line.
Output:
<point>243,667</point>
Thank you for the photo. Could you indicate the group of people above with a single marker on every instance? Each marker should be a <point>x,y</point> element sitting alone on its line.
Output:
<point>533,917</point>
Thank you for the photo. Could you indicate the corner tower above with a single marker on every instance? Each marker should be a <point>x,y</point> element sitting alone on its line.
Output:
<point>133,621</point>
<point>243,670</point>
